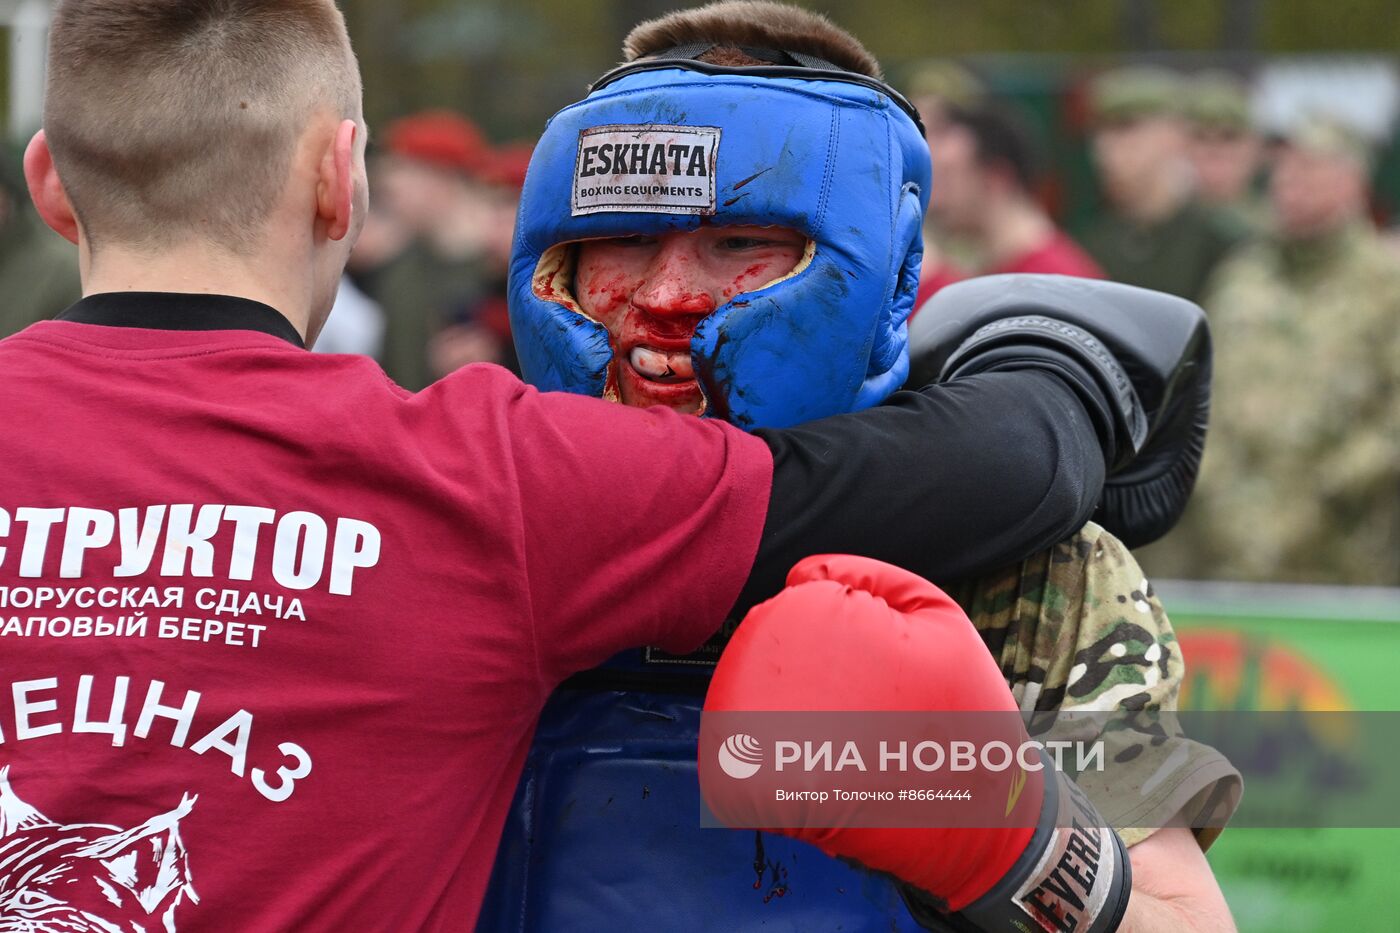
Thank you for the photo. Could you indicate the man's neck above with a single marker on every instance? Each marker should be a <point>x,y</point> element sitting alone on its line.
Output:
<point>194,270</point>
<point>1160,198</point>
<point>1319,250</point>
<point>1013,229</point>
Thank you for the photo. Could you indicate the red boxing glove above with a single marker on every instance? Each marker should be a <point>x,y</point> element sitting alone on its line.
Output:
<point>854,634</point>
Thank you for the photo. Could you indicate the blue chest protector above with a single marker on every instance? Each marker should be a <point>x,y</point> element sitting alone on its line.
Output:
<point>604,833</point>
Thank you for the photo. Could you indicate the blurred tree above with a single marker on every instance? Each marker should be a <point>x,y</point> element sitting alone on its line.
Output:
<point>904,29</point>
<point>1193,24</point>
<point>495,60</point>
<point>1320,25</point>
<point>1240,28</point>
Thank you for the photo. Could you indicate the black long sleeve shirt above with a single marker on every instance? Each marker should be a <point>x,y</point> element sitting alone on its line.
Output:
<point>948,481</point>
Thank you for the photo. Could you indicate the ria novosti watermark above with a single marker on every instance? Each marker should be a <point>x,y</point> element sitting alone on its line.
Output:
<point>741,756</point>
<point>883,769</point>
<point>1146,769</point>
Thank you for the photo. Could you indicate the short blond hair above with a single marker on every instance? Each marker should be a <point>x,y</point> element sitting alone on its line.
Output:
<point>737,24</point>
<point>176,118</point>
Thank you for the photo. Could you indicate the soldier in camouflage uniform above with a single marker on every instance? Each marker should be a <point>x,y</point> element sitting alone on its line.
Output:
<point>1301,478</point>
<point>1226,152</point>
<point>1077,628</point>
<point>1153,231</point>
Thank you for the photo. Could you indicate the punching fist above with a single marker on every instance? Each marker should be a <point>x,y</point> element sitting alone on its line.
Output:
<point>853,634</point>
<point>1140,360</point>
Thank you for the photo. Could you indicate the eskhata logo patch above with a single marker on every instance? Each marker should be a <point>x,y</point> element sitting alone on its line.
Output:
<point>646,168</point>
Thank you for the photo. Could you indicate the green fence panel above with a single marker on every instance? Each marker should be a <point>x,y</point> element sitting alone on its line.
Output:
<point>1303,648</point>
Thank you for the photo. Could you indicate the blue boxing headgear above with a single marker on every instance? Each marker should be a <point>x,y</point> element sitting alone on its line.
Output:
<point>671,144</point>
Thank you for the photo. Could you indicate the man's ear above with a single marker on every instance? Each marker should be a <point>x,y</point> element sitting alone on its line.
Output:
<point>335,191</point>
<point>46,189</point>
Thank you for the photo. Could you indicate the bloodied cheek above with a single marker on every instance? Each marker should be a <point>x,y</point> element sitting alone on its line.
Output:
<point>652,292</point>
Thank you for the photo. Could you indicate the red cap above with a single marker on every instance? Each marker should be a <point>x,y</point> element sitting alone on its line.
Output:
<point>508,164</point>
<point>442,138</point>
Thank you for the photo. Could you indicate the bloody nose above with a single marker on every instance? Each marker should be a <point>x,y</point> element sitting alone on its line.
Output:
<point>672,286</point>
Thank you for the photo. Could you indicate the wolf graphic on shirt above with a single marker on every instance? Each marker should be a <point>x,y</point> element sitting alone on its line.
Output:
<point>89,876</point>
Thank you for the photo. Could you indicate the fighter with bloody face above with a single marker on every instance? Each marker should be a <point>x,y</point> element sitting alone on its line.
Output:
<point>797,182</point>
<point>729,225</point>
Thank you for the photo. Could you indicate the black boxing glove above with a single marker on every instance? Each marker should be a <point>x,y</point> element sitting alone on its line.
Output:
<point>1139,360</point>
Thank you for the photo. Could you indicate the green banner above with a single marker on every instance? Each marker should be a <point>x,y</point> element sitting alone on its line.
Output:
<point>1269,648</point>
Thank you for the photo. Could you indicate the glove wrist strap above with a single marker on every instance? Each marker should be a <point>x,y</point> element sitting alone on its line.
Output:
<point>1074,876</point>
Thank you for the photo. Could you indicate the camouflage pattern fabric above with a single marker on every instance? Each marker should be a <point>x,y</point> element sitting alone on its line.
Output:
<point>1077,628</point>
<point>1301,476</point>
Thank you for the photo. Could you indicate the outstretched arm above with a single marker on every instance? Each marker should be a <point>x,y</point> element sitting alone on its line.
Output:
<point>1048,385</point>
<point>966,476</point>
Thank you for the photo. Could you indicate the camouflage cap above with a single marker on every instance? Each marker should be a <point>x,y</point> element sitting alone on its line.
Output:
<point>1329,135</point>
<point>1131,93</point>
<point>946,80</point>
<point>1217,101</point>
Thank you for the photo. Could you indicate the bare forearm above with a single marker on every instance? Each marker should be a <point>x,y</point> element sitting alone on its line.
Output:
<point>1150,914</point>
<point>1174,888</point>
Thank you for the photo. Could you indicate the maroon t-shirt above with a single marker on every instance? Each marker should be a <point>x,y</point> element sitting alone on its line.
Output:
<point>275,632</point>
<point>1060,255</point>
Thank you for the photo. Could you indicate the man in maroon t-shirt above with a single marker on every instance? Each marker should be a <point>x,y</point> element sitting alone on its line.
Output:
<point>276,632</point>
<point>984,193</point>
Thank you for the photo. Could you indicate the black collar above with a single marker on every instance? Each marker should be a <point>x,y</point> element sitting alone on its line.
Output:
<point>176,311</point>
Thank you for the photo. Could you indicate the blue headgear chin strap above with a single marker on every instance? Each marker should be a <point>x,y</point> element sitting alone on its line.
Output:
<point>672,144</point>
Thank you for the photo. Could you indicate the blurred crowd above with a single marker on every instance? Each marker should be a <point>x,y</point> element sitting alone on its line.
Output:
<point>1275,238</point>
<point>430,267</point>
<point>1273,235</point>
